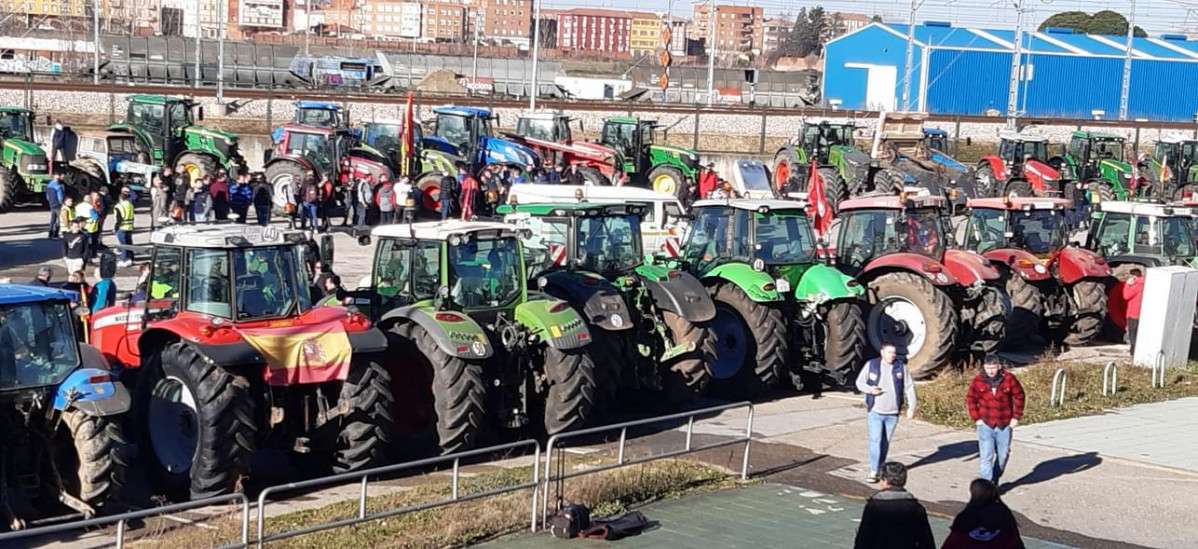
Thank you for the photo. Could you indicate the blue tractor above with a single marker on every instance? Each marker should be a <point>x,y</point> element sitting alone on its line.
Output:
<point>320,114</point>
<point>60,411</point>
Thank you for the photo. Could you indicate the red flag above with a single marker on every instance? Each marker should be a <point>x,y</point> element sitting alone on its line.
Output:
<point>409,132</point>
<point>818,208</point>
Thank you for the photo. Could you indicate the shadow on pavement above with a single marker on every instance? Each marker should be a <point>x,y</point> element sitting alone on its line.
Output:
<point>1055,468</point>
<point>956,450</point>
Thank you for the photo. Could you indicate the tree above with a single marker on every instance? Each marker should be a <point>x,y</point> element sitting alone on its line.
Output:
<point>875,19</point>
<point>1102,23</point>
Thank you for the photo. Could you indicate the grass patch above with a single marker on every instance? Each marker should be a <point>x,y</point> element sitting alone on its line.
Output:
<point>943,400</point>
<point>606,493</point>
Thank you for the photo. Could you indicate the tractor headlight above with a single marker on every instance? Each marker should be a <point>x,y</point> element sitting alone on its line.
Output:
<point>1040,269</point>
<point>35,167</point>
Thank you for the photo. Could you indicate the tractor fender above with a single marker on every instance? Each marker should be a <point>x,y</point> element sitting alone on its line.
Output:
<point>996,165</point>
<point>293,158</point>
<point>682,294</point>
<point>500,151</point>
<point>969,267</point>
<point>1147,261</point>
<point>1041,175</point>
<point>92,391</point>
<point>440,161</point>
<point>1074,264</point>
<point>1020,261</point>
<point>936,272</point>
<point>601,303</point>
<point>457,335</point>
<point>554,321</point>
<point>759,286</point>
<point>368,341</point>
<point>821,283</point>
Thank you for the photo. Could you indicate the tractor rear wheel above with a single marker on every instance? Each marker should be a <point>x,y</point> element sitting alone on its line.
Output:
<point>593,176</point>
<point>889,181</point>
<point>10,187</point>
<point>200,422</point>
<point>687,375</point>
<point>1019,188</point>
<point>986,182</point>
<point>83,175</point>
<point>365,430</point>
<point>100,453</point>
<point>1027,309</point>
<point>571,377</point>
<point>989,321</point>
<point>1106,192</point>
<point>429,186</point>
<point>280,176</point>
<point>747,333</point>
<point>457,396</point>
<point>917,317</point>
<point>788,171</point>
<point>195,165</point>
<point>667,179</point>
<point>843,334</point>
<point>835,188</point>
<point>1089,299</point>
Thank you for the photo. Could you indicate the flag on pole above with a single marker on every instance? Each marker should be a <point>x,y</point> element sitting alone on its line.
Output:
<point>818,207</point>
<point>408,147</point>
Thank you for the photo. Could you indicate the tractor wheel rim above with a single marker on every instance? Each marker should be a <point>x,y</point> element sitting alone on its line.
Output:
<point>731,343</point>
<point>781,174</point>
<point>665,184</point>
<point>277,184</point>
<point>431,197</point>
<point>193,171</point>
<point>173,425</point>
<point>898,320</point>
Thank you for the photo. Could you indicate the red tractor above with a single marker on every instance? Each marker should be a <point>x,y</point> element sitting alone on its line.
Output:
<point>550,136</point>
<point>928,299</point>
<point>1019,169</point>
<point>1052,283</point>
<point>228,354</point>
<point>300,149</point>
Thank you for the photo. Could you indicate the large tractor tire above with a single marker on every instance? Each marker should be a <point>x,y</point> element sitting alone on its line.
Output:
<point>667,179</point>
<point>83,175</point>
<point>283,175</point>
<point>200,422</point>
<point>571,377</point>
<point>100,456</point>
<point>593,176</point>
<point>843,336</point>
<point>614,365</point>
<point>1027,309</point>
<point>989,320</point>
<point>917,317</point>
<point>365,430</point>
<point>788,171</point>
<point>429,186</point>
<point>835,187</point>
<point>1089,298</point>
<point>10,187</point>
<point>750,334</point>
<point>1106,191</point>
<point>1019,188</point>
<point>457,395</point>
<point>196,165</point>
<point>985,181</point>
<point>889,181</point>
<point>687,375</point>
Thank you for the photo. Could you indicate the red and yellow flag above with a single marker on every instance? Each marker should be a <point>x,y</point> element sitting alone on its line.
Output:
<point>302,354</point>
<point>408,147</point>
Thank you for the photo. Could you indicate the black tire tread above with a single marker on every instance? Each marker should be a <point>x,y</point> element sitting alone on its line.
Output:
<point>936,351</point>
<point>100,446</point>
<point>459,394</point>
<point>1086,323</point>
<point>8,189</point>
<point>835,187</point>
<point>844,341</point>
<point>570,374</point>
<point>366,428</point>
<point>687,375</point>
<point>771,345</point>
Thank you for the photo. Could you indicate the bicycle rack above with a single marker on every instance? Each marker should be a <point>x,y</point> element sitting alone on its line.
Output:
<point>1110,378</point>
<point>1055,398</point>
<point>1158,370</point>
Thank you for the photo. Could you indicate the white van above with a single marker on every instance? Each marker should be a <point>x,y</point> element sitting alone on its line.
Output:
<point>661,220</point>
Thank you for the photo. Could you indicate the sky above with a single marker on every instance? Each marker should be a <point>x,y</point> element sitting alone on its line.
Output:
<point>1155,16</point>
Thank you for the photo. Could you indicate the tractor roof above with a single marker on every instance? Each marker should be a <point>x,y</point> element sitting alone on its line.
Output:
<point>322,105</point>
<point>304,128</point>
<point>577,208</point>
<point>752,205</point>
<point>469,112</point>
<point>1096,135</point>
<point>1177,139</point>
<point>1154,209</point>
<point>567,194</point>
<point>935,131</point>
<point>1022,136</point>
<point>543,115</point>
<point>13,294</point>
<point>156,99</point>
<point>829,121</point>
<point>225,236</point>
<point>15,110</point>
<point>892,202</point>
<point>629,120</point>
<point>442,230</point>
<point>1019,203</point>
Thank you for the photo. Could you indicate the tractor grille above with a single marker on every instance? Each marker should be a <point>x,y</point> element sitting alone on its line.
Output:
<point>33,164</point>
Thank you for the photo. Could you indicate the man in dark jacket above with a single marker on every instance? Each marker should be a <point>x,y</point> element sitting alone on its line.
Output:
<point>263,199</point>
<point>44,275</point>
<point>995,401</point>
<point>893,518</point>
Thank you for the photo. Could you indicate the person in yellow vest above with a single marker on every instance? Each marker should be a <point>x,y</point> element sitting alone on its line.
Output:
<point>124,227</point>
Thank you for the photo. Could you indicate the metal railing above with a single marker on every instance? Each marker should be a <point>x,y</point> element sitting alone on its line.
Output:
<point>364,478</point>
<point>122,519</point>
<point>1110,378</point>
<point>1055,398</point>
<point>1158,370</point>
<point>622,462</point>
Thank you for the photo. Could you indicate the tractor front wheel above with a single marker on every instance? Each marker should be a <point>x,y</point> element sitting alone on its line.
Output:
<point>788,171</point>
<point>835,188</point>
<point>365,430</point>
<point>429,186</point>
<point>283,175</point>
<point>457,396</point>
<point>100,452</point>
<point>989,320</point>
<point>199,420</point>
<point>667,179</point>
<point>688,374</point>
<point>1027,308</point>
<point>1089,311</point>
<point>570,374</point>
<point>593,176</point>
<point>1019,188</point>
<point>747,333</point>
<point>195,165</point>
<point>10,187</point>
<point>843,334</point>
<point>914,315</point>
<point>986,182</point>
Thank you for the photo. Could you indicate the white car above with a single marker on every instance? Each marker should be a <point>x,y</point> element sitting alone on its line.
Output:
<point>663,211</point>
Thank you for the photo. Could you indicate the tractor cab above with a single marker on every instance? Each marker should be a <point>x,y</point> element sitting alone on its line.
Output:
<point>469,132</point>
<point>776,233</point>
<point>161,120</point>
<point>1099,158</point>
<point>386,139</point>
<point>24,169</point>
<point>935,140</point>
<point>322,147</point>
<point>1017,148</point>
<point>632,138</point>
<point>165,134</point>
<point>665,168</point>
<point>818,139</point>
<point>600,238</point>
<point>545,127</point>
<point>1145,233</point>
<point>1036,225</point>
<point>16,123</point>
<point>1172,169</point>
<point>879,225</point>
<point>39,339</point>
<point>321,114</point>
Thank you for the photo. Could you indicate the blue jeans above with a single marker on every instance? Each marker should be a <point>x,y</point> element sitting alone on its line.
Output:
<point>125,239</point>
<point>994,445</point>
<point>263,213</point>
<point>309,213</point>
<point>54,222</point>
<point>881,430</point>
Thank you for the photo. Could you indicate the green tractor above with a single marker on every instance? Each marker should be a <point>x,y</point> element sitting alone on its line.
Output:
<point>24,169</point>
<point>664,168</point>
<point>161,131</point>
<point>777,304</point>
<point>650,321</point>
<point>1172,169</point>
<point>452,297</point>
<point>1098,158</point>
<point>831,144</point>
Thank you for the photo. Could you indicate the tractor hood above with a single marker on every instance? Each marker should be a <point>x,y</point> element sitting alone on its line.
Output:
<point>212,133</point>
<point>502,151</point>
<point>818,283</point>
<point>1115,166</point>
<point>1039,174</point>
<point>1075,263</point>
<point>852,163</point>
<point>686,157</point>
<point>969,267</point>
<point>948,162</point>
<point>23,147</point>
<point>1020,261</point>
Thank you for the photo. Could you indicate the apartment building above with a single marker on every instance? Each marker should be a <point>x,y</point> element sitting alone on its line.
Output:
<point>737,28</point>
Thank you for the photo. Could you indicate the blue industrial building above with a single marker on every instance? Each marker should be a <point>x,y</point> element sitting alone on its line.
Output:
<point>968,72</point>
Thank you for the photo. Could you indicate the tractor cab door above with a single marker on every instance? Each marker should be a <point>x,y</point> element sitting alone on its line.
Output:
<point>174,141</point>
<point>1082,155</point>
<point>561,130</point>
<point>620,137</point>
<point>642,140</point>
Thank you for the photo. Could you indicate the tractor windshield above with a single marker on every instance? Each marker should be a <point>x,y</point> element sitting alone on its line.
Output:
<point>536,128</point>
<point>1012,151</point>
<point>986,230</point>
<point>785,238</point>
<point>611,244</point>
<point>37,344</point>
<point>485,273</point>
<point>718,235</point>
<point>936,141</point>
<point>867,234</point>
<point>1176,234</point>
<point>453,129</point>
<point>1038,231</point>
<point>1108,149</point>
<point>313,146</point>
<point>824,136</point>
<point>16,126</point>
<point>620,137</point>
<point>271,282</point>
<point>324,118</point>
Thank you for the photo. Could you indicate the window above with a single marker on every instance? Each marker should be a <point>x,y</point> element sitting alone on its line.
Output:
<point>985,230</point>
<point>1112,233</point>
<point>406,271</point>
<point>609,244</point>
<point>37,344</point>
<point>485,273</point>
<point>209,291</point>
<point>547,233</point>
<point>271,282</point>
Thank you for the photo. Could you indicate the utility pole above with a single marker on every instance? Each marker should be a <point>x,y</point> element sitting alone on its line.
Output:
<point>95,41</point>
<point>307,28</point>
<point>1016,68</point>
<point>196,81</point>
<point>477,21</point>
<point>710,52</point>
<point>907,67</point>
<point>670,31</point>
<point>1125,92</point>
<point>222,5</point>
<point>536,46</point>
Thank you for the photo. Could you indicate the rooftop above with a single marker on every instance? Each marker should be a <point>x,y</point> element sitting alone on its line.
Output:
<point>11,294</point>
<point>463,111</point>
<point>1019,203</point>
<point>891,202</point>
<point>1148,208</point>
<point>225,236</point>
<point>753,205</point>
<point>441,230</point>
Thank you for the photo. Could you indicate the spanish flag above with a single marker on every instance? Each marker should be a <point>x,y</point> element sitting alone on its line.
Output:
<point>302,354</point>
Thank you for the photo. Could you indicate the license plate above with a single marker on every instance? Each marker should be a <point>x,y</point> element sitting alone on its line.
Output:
<point>782,285</point>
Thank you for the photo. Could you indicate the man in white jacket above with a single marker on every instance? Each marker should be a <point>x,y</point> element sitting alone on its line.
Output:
<point>886,385</point>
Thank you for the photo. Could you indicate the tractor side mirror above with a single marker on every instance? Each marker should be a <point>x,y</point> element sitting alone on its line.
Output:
<point>1008,234</point>
<point>364,240</point>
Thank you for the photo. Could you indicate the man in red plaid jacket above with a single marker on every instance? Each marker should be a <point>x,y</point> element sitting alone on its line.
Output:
<point>995,400</point>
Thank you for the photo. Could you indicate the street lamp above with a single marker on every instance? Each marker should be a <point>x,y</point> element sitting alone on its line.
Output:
<point>536,45</point>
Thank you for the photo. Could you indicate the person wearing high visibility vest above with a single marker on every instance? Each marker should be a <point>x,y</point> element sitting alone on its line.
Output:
<point>124,226</point>
<point>86,209</point>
